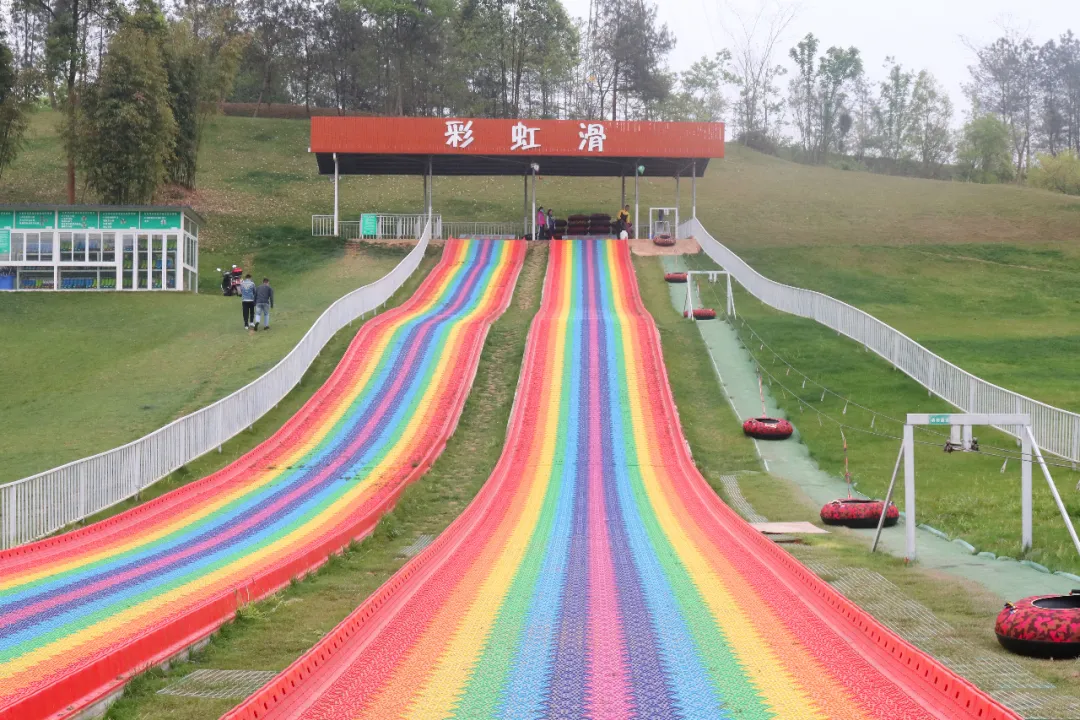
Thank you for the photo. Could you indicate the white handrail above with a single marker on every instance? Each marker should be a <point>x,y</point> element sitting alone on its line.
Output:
<point>1056,430</point>
<point>38,505</point>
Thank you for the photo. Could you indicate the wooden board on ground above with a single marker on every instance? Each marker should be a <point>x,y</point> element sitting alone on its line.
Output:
<point>788,528</point>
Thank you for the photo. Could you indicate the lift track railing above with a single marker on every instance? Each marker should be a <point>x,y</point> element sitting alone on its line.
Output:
<point>1056,430</point>
<point>41,504</point>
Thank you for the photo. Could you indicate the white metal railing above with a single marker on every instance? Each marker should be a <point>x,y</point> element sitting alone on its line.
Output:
<point>1056,430</point>
<point>349,229</point>
<point>322,226</point>
<point>456,229</point>
<point>36,506</point>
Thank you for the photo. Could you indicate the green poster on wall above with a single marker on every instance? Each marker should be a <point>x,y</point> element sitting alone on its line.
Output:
<point>5,242</point>
<point>119,220</point>
<point>369,225</point>
<point>160,221</point>
<point>7,218</point>
<point>79,220</point>
<point>34,220</point>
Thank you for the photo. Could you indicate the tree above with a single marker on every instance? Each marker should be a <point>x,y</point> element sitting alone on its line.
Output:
<point>633,48</point>
<point>802,91</point>
<point>836,70</point>
<point>1004,82</point>
<point>1059,173</point>
<point>894,110</point>
<point>12,110</point>
<point>755,70</point>
<point>984,153</point>
<point>126,129</point>
<point>929,137</point>
<point>700,96</point>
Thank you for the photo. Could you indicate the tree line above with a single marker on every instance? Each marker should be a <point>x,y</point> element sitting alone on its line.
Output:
<point>154,74</point>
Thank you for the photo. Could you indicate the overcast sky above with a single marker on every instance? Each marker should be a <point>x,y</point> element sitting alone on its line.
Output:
<point>920,34</point>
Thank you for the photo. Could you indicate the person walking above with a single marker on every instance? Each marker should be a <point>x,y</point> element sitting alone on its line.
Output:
<point>264,300</point>
<point>247,300</point>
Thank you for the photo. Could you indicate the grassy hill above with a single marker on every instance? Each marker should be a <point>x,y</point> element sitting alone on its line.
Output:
<point>986,276</point>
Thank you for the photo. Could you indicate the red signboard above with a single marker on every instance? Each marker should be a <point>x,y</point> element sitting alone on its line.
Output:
<point>463,136</point>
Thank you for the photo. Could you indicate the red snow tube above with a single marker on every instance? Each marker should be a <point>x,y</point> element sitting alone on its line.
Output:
<point>1045,626</point>
<point>675,277</point>
<point>765,428</point>
<point>857,513</point>
<point>664,241</point>
<point>702,314</point>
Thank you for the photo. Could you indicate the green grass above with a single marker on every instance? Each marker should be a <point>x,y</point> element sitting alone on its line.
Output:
<point>87,372</point>
<point>270,634</point>
<point>965,495</point>
<point>269,423</point>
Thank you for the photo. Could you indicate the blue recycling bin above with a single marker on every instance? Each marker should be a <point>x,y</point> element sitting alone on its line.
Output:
<point>7,282</point>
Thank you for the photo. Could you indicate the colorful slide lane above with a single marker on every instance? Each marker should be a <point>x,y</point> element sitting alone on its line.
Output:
<point>597,575</point>
<point>81,612</point>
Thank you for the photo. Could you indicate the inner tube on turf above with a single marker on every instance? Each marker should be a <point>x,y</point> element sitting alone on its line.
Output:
<point>664,241</point>
<point>675,277</point>
<point>1043,626</point>
<point>766,428</point>
<point>702,314</point>
<point>858,513</point>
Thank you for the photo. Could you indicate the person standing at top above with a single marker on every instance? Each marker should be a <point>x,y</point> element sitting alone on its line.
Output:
<point>541,224</point>
<point>264,300</point>
<point>622,220</point>
<point>550,224</point>
<point>247,300</point>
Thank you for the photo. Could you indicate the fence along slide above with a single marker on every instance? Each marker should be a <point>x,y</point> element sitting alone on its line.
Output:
<point>79,613</point>
<point>1056,430</point>
<point>598,575</point>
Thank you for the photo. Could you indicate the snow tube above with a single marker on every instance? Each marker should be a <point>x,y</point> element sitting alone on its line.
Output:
<point>664,241</point>
<point>675,277</point>
<point>858,513</point>
<point>1044,626</point>
<point>703,314</point>
<point>765,428</point>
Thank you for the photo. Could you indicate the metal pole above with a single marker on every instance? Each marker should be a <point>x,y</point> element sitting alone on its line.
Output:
<point>909,491</point>
<point>637,201</point>
<point>430,190</point>
<point>677,200</point>
<point>525,207</point>
<point>888,498</point>
<point>533,204</point>
<point>622,202</point>
<point>1053,489</point>
<point>693,190</point>
<point>1025,492</point>
<point>335,195</point>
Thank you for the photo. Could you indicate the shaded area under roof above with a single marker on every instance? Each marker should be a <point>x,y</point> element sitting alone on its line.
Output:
<point>550,165</point>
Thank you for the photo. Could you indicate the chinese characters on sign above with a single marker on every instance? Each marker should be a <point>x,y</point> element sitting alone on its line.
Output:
<point>523,137</point>
<point>458,134</point>
<point>592,136</point>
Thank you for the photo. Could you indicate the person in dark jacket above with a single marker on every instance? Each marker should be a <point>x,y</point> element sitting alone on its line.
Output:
<point>264,300</point>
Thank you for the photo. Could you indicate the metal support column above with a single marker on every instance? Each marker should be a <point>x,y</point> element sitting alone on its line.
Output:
<point>909,491</point>
<point>525,208</point>
<point>1025,492</point>
<point>622,201</point>
<point>677,203</point>
<point>335,195</point>
<point>534,203</point>
<point>637,200</point>
<point>693,189</point>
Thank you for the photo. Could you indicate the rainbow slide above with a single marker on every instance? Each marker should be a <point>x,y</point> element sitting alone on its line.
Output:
<point>597,575</point>
<point>81,612</point>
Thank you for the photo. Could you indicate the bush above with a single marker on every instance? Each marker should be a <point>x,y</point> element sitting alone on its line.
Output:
<point>1059,173</point>
<point>757,140</point>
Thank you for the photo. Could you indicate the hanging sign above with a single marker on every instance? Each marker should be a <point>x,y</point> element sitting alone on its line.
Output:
<point>7,219</point>
<point>34,220</point>
<point>159,220</point>
<point>119,220</point>
<point>369,225</point>
<point>941,420</point>
<point>79,220</point>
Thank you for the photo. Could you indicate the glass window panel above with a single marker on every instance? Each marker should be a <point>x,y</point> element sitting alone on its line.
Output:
<point>46,246</point>
<point>108,247</point>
